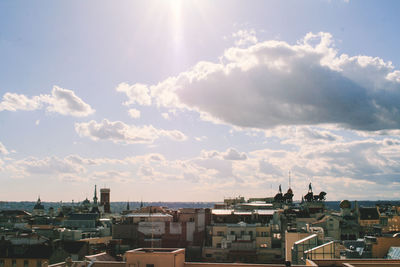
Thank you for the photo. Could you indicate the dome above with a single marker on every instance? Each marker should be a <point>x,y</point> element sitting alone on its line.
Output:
<point>290,191</point>
<point>86,202</point>
<point>345,204</point>
<point>38,205</point>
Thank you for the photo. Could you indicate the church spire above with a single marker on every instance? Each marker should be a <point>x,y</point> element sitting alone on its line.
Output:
<point>95,195</point>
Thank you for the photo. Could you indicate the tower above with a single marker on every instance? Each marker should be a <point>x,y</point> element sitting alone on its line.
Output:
<point>95,195</point>
<point>105,199</point>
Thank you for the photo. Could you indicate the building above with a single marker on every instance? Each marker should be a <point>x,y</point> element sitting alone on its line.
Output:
<point>105,199</point>
<point>12,255</point>
<point>38,209</point>
<point>241,242</point>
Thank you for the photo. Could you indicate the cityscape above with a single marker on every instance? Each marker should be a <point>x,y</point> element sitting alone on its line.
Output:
<point>199,133</point>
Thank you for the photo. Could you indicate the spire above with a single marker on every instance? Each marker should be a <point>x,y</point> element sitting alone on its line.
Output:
<point>127,206</point>
<point>141,203</point>
<point>95,195</point>
<point>280,189</point>
<point>310,188</point>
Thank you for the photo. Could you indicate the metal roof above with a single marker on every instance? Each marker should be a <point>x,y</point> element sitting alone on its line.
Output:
<point>394,253</point>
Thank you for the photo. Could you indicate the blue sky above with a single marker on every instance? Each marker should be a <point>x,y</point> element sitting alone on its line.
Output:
<point>199,100</point>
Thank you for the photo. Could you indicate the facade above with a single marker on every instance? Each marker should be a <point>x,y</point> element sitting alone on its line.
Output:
<point>23,255</point>
<point>241,242</point>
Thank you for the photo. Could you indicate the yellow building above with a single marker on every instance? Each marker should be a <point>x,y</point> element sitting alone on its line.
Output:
<point>155,257</point>
<point>26,262</point>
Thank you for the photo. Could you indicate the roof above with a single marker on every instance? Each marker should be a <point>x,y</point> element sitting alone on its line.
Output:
<point>73,247</point>
<point>14,213</point>
<point>306,238</point>
<point>242,212</point>
<point>369,213</point>
<point>393,253</point>
<point>257,204</point>
<point>222,211</point>
<point>83,216</point>
<point>100,257</point>
<point>147,215</point>
<point>320,246</point>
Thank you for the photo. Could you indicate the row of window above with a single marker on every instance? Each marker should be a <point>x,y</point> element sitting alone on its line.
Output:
<point>250,233</point>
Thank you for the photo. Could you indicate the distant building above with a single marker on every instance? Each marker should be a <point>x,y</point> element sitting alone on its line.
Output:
<point>38,209</point>
<point>105,199</point>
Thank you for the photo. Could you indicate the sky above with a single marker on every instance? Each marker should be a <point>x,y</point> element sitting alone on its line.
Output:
<point>172,100</point>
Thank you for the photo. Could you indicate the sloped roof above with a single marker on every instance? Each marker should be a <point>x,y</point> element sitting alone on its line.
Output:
<point>369,213</point>
<point>83,216</point>
<point>100,257</point>
<point>394,253</point>
<point>73,247</point>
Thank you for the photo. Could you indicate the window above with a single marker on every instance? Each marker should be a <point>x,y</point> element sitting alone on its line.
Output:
<point>14,263</point>
<point>220,233</point>
<point>251,233</point>
<point>241,232</point>
<point>263,234</point>
<point>26,263</point>
<point>208,255</point>
<point>218,245</point>
<point>149,265</point>
<point>232,232</point>
<point>38,263</point>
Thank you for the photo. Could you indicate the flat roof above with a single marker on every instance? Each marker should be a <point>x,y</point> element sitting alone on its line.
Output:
<point>147,215</point>
<point>157,250</point>
<point>242,212</point>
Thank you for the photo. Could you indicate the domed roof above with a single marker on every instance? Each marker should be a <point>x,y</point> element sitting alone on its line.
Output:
<point>38,205</point>
<point>289,191</point>
<point>345,204</point>
<point>86,202</point>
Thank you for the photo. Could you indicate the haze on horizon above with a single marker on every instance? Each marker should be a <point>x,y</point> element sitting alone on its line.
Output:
<point>170,100</point>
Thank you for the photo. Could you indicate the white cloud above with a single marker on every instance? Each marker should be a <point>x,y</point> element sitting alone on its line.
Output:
<point>3,149</point>
<point>49,165</point>
<point>65,102</point>
<point>229,154</point>
<point>274,83</point>
<point>14,102</point>
<point>113,176</point>
<point>245,37</point>
<point>137,93</point>
<point>134,113</point>
<point>62,101</point>
<point>351,169</point>
<point>119,132</point>
<point>201,138</point>
<point>146,170</point>
<point>233,154</point>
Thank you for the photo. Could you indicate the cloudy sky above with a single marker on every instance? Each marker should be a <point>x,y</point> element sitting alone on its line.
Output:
<point>175,100</point>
